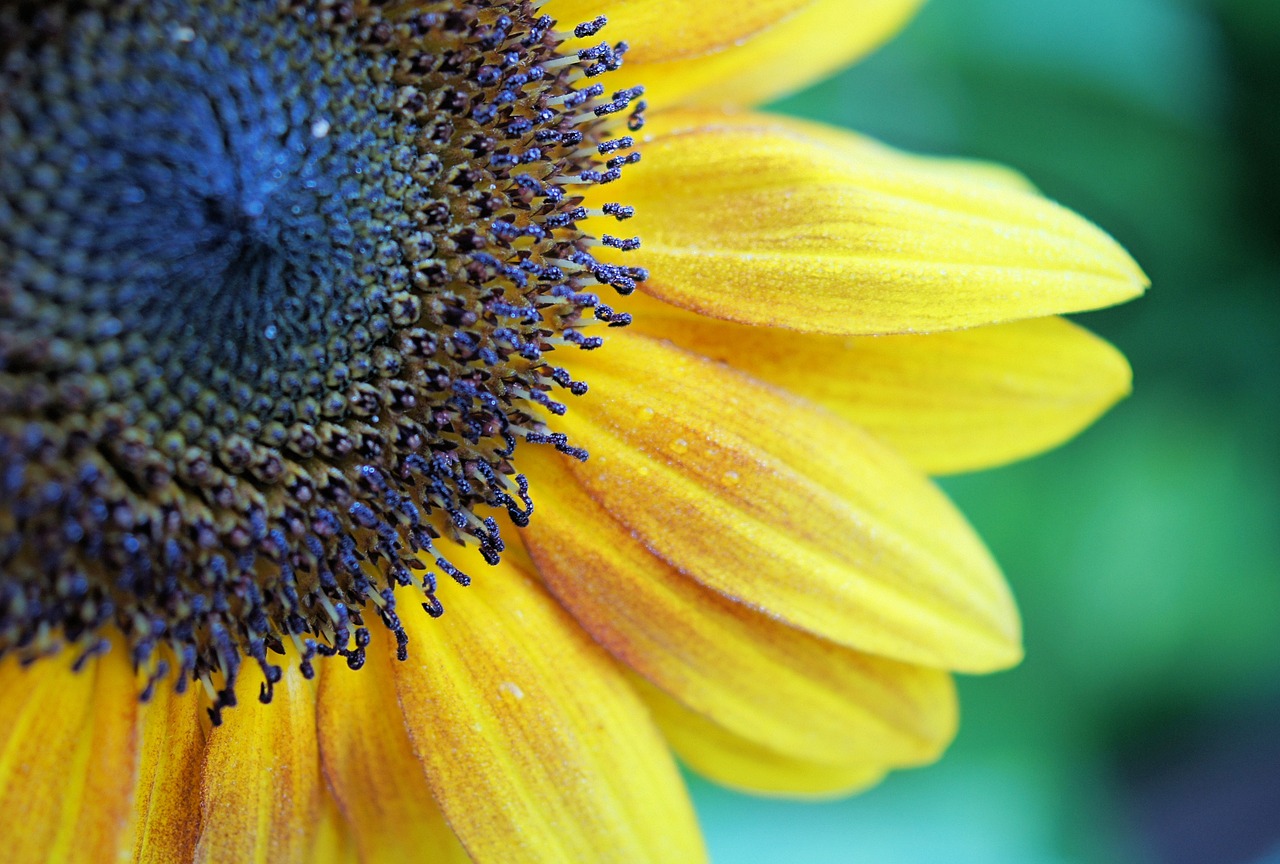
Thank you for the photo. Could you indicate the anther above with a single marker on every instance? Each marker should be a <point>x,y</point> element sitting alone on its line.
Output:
<point>589,28</point>
<point>619,243</point>
<point>618,211</point>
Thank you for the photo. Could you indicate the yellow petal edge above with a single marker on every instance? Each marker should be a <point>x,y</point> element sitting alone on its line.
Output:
<point>954,401</point>
<point>770,500</point>
<point>763,220</point>
<point>794,692</point>
<point>534,746</point>
<point>723,53</point>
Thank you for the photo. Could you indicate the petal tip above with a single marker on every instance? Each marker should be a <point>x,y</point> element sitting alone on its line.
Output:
<point>1129,280</point>
<point>1137,279</point>
<point>995,642</point>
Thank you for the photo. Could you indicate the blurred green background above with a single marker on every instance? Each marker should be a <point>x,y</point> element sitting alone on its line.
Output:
<point>1144,725</point>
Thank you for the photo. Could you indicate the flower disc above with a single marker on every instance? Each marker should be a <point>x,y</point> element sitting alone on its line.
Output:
<point>278,281</point>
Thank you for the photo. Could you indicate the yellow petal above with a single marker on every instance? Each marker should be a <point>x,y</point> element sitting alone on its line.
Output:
<point>739,763</point>
<point>859,149</point>
<point>169,770</point>
<point>335,841</point>
<point>756,219</point>
<point>773,501</point>
<point>741,53</point>
<point>765,681</point>
<point>371,767</point>
<point>261,795</point>
<point>68,758</point>
<point>534,745</point>
<point>952,401</point>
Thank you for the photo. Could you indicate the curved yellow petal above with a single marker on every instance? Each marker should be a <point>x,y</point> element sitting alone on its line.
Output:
<point>262,790</point>
<point>756,219</point>
<point>335,841</point>
<point>767,682</point>
<point>862,150</point>
<point>371,767</point>
<point>106,808</point>
<point>171,761</point>
<point>535,746</point>
<point>739,763</point>
<point>68,758</point>
<point>952,401</point>
<point>773,501</point>
<point>740,53</point>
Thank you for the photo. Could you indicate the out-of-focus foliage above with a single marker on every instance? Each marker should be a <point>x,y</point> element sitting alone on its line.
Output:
<point>1144,724</point>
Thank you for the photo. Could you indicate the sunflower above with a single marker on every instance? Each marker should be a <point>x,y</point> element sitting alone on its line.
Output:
<point>299,305</point>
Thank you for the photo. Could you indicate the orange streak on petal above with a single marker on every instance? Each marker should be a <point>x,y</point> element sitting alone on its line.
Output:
<point>777,503</point>
<point>67,758</point>
<point>106,810</point>
<point>371,767</point>
<point>534,745</point>
<point>261,793</point>
<point>783,688</point>
<point>170,765</point>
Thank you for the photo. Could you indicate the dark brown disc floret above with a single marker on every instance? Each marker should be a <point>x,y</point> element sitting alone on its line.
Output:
<point>280,287</point>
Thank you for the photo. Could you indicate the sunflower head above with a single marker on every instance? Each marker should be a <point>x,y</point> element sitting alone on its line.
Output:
<point>279,286</point>
<point>284,287</point>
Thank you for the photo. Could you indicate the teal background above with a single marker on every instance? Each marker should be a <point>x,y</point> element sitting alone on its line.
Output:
<point>1146,554</point>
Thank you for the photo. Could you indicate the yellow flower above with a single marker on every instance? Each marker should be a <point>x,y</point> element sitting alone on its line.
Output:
<point>752,567</point>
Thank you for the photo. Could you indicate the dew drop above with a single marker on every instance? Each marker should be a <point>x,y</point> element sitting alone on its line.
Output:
<point>679,446</point>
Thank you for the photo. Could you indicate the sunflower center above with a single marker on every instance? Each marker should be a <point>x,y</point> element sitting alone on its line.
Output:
<point>278,286</point>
